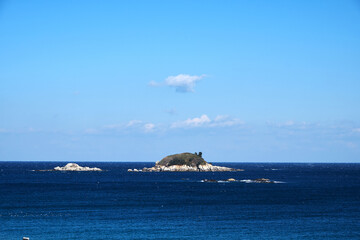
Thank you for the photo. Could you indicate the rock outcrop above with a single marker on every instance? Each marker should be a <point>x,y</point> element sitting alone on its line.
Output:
<point>184,162</point>
<point>263,180</point>
<point>75,167</point>
<point>258,180</point>
<point>185,168</point>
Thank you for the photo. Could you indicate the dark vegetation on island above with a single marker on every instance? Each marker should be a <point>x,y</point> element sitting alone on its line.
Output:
<point>184,162</point>
<point>188,159</point>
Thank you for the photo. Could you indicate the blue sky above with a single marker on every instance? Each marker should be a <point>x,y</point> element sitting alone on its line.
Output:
<point>241,81</point>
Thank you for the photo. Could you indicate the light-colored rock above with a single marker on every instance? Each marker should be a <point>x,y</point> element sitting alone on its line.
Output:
<point>219,181</point>
<point>259,180</point>
<point>184,168</point>
<point>75,167</point>
<point>263,180</point>
<point>210,180</point>
<point>185,162</point>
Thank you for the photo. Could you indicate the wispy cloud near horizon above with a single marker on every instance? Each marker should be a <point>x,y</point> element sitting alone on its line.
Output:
<point>149,127</point>
<point>3,130</point>
<point>135,125</point>
<point>192,122</point>
<point>290,134</point>
<point>205,121</point>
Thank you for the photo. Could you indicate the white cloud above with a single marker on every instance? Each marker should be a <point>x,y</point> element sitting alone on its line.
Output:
<point>351,145</point>
<point>133,123</point>
<point>205,121</point>
<point>113,126</point>
<point>142,126</point>
<point>290,125</point>
<point>3,130</point>
<point>149,127</point>
<point>181,82</point>
<point>154,84</point>
<point>33,130</point>
<point>192,122</point>
<point>92,131</point>
<point>357,130</point>
<point>225,121</point>
<point>120,126</point>
<point>220,118</point>
<point>171,111</point>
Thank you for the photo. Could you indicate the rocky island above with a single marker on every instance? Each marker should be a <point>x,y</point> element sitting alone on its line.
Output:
<point>184,162</point>
<point>75,167</point>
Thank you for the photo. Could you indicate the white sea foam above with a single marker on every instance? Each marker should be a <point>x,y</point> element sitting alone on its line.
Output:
<point>254,181</point>
<point>278,182</point>
<point>247,181</point>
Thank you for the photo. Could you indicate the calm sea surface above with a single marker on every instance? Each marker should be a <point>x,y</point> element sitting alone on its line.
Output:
<point>315,201</point>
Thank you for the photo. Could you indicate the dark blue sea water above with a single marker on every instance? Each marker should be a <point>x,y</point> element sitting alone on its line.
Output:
<point>316,201</point>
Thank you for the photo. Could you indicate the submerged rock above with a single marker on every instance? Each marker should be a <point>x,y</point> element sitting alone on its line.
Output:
<point>231,180</point>
<point>210,180</point>
<point>75,167</point>
<point>258,180</point>
<point>220,181</point>
<point>263,180</point>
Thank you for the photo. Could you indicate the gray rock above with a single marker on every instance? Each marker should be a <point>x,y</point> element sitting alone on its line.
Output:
<point>185,168</point>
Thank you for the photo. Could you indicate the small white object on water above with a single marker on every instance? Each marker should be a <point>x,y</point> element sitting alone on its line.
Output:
<point>75,167</point>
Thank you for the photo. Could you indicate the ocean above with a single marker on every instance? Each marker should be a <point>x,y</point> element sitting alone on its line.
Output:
<point>309,201</point>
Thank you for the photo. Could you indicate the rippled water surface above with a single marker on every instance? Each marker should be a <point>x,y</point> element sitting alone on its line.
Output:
<point>313,201</point>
